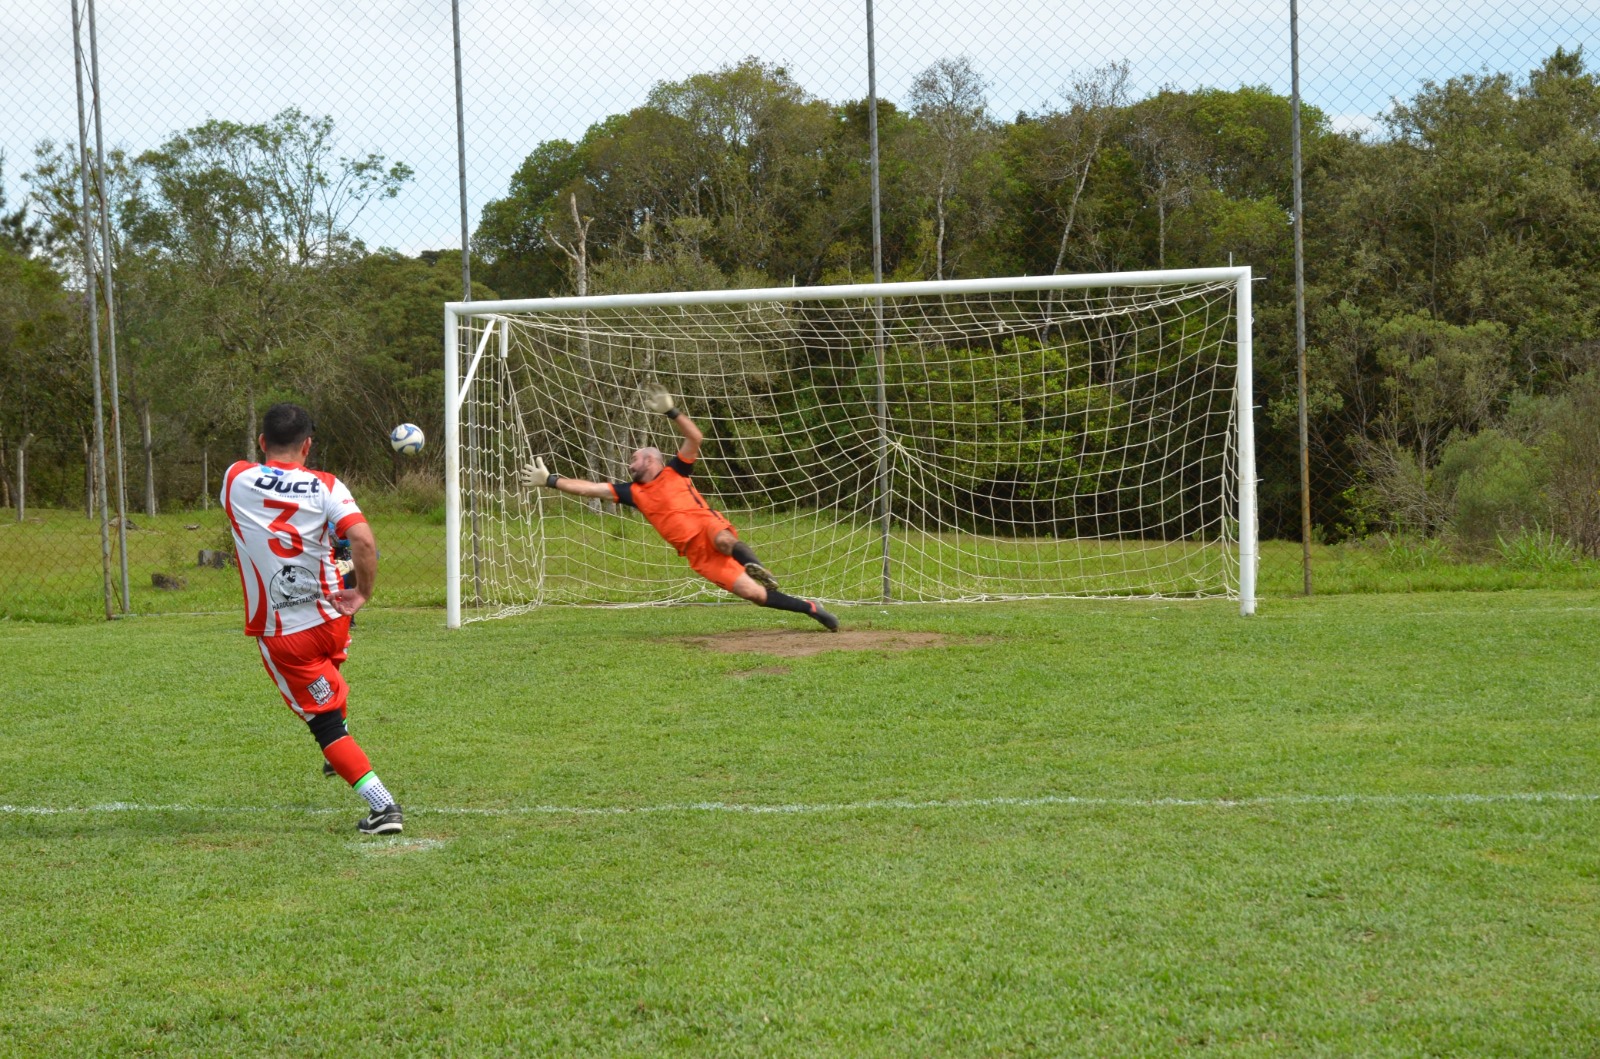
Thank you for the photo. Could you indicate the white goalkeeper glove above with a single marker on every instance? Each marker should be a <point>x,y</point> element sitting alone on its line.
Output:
<point>659,400</point>
<point>536,474</point>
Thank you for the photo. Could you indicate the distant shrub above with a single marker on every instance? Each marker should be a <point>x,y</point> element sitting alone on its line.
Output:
<point>418,491</point>
<point>1571,447</point>
<point>1495,483</point>
<point>1537,549</point>
<point>1408,553</point>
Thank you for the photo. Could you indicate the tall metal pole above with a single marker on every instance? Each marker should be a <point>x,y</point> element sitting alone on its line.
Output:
<point>108,286</point>
<point>1300,297</point>
<point>466,281</point>
<point>97,459</point>
<point>877,303</point>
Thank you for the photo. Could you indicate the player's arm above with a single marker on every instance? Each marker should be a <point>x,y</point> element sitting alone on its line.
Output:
<point>364,554</point>
<point>536,474</point>
<point>661,401</point>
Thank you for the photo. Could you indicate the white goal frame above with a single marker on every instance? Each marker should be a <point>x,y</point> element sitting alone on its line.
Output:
<point>456,383</point>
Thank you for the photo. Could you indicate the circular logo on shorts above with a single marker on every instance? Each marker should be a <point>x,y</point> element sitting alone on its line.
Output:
<point>293,585</point>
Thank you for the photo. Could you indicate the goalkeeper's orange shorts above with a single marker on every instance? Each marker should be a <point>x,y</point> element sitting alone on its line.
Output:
<point>701,551</point>
<point>305,666</point>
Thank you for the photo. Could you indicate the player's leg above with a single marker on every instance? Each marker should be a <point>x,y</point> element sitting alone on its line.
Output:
<point>705,554</point>
<point>353,766</point>
<point>728,543</point>
<point>305,666</point>
<point>746,587</point>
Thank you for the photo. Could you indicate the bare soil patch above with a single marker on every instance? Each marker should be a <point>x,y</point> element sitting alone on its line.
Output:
<point>799,643</point>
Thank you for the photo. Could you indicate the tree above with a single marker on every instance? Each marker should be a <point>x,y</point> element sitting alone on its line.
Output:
<point>43,370</point>
<point>1065,144</point>
<point>246,240</point>
<point>948,101</point>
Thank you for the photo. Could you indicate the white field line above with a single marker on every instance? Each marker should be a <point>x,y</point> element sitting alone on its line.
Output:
<point>870,805</point>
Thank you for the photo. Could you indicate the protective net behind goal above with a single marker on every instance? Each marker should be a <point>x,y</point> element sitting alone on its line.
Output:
<point>975,446</point>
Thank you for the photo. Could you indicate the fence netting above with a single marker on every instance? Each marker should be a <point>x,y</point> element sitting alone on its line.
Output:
<point>282,189</point>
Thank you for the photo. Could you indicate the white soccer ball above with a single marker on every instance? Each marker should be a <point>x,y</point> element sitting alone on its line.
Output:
<point>407,439</point>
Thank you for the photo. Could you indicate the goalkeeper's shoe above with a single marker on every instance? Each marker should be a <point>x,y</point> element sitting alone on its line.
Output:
<point>761,576</point>
<point>385,821</point>
<point>828,621</point>
<point>328,769</point>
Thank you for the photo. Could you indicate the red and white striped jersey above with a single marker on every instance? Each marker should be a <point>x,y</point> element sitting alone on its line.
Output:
<point>281,514</point>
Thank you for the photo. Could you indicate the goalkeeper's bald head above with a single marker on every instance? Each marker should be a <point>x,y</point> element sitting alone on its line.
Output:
<point>645,464</point>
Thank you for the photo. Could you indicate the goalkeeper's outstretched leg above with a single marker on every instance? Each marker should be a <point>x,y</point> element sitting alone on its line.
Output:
<point>662,491</point>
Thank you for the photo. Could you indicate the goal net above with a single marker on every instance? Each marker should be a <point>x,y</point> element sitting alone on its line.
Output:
<point>966,440</point>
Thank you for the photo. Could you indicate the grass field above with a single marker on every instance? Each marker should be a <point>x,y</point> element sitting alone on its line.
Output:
<point>50,564</point>
<point>1351,825</point>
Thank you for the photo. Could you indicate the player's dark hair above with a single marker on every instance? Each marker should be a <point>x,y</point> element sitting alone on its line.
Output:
<point>286,425</point>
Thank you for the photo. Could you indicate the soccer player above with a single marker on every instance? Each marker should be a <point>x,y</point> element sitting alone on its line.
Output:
<point>285,518</point>
<point>662,491</point>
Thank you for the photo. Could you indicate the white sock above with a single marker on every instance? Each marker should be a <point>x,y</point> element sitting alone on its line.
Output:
<point>372,789</point>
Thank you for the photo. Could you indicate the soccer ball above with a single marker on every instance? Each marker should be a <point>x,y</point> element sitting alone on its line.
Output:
<point>407,439</point>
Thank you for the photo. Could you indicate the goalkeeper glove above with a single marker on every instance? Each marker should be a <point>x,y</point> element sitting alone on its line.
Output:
<point>536,473</point>
<point>659,400</point>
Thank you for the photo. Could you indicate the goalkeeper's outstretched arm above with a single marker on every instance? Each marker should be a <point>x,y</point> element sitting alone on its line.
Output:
<point>536,474</point>
<point>661,401</point>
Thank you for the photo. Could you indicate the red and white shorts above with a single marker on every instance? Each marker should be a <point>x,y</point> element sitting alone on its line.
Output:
<point>305,666</point>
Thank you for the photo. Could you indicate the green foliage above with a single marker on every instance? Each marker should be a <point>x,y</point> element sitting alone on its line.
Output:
<point>1532,548</point>
<point>1496,484</point>
<point>1411,553</point>
<point>1569,441</point>
<point>1453,263</point>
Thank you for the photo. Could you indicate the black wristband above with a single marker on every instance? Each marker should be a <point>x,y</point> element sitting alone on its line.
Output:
<point>550,482</point>
<point>673,413</point>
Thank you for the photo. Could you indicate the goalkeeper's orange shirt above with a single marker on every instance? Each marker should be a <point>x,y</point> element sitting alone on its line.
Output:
<point>671,504</point>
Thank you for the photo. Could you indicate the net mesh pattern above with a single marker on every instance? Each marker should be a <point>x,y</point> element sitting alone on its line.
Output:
<point>996,446</point>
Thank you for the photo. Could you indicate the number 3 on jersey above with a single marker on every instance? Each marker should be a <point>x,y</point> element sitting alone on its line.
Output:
<point>281,525</point>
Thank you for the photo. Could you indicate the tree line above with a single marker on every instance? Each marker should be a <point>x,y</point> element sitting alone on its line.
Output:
<point>1450,267</point>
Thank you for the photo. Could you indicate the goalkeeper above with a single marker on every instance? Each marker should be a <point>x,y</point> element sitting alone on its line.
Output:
<point>662,491</point>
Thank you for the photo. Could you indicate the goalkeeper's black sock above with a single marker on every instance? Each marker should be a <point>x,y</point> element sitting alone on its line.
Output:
<point>782,601</point>
<point>742,552</point>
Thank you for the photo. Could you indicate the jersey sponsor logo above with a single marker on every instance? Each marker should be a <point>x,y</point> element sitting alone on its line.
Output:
<point>320,691</point>
<point>272,483</point>
<point>293,585</point>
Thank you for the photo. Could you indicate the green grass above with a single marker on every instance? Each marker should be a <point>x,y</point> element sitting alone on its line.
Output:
<point>50,564</point>
<point>234,911</point>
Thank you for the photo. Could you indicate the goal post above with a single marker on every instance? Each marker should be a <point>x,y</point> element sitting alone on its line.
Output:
<point>1041,436</point>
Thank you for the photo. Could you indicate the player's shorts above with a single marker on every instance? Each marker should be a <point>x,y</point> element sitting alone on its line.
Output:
<point>305,666</point>
<point>701,551</point>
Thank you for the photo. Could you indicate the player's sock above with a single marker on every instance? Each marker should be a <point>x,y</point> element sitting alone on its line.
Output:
<point>372,789</point>
<point>781,601</point>
<point>802,606</point>
<point>784,601</point>
<point>744,553</point>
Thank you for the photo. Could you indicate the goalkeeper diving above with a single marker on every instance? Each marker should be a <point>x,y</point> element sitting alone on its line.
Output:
<point>662,491</point>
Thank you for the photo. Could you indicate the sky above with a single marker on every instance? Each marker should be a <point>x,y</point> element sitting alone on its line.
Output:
<point>544,69</point>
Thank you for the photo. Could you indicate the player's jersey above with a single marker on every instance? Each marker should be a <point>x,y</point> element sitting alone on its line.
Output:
<point>670,503</point>
<point>281,515</point>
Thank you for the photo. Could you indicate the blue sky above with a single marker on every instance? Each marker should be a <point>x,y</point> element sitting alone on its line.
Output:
<point>549,68</point>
